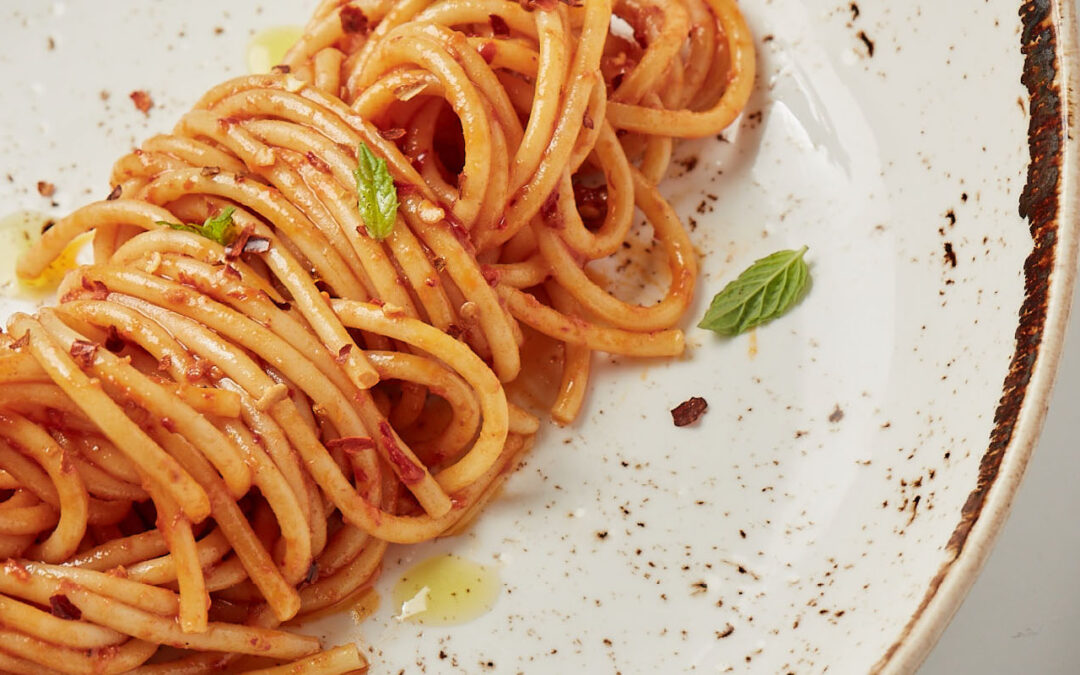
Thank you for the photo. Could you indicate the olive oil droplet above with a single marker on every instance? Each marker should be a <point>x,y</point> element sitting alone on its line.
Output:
<point>267,48</point>
<point>18,231</point>
<point>366,605</point>
<point>458,591</point>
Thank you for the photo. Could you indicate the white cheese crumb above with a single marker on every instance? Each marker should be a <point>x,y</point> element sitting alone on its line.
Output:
<point>418,604</point>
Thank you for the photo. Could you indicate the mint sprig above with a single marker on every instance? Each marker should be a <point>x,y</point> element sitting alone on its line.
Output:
<point>767,289</point>
<point>217,228</point>
<point>376,195</point>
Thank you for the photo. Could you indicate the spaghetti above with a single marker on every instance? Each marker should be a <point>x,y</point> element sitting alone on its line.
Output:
<point>201,442</point>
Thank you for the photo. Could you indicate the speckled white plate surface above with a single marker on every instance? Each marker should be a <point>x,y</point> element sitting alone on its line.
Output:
<point>858,456</point>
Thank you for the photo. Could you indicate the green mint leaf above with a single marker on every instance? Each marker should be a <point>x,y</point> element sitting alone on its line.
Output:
<point>767,289</point>
<point>376,196</point>
<point>178,226</point>
<point>217,228</point>
<point>220,227</point>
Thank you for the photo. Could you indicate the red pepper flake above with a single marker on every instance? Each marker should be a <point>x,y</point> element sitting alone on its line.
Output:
<point>317,162</point>
<point>353,20</point>
<point>284,305</point>
<point>187,280</point>
<point>118,572</point>
<point>115,194</point>
<point>210,171</point>
<point>406,188</point>
<point>351,444</point>
<point>641,37</point>
<point>550,211</point>
<point>499,26</point>
<point>97,289</point>
<point>234,249</point>
<point>197,370</point>
<point>114,343</point>
<point>231,271</point>
<point>392,134</point>
<point>454,331</point>
<point>459,231</point>
<point>587,122</point>
<point>169,424</point>
<point>83,352</point>
<point>165,362</point>
<point>689,411</point>
<point>543,5</point>
<point>439,264</point>
<point>407,92</point>
<point>142,101</point>
<point>491,275</point>
<point>487,51</point>
<point>62,608</point>
<point>45,188</point>
<point>343,354</point>
<point>407,470</point>
<point>282,68</point>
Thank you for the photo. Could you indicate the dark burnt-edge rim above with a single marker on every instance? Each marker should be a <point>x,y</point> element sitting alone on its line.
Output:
<point>1048,35</point>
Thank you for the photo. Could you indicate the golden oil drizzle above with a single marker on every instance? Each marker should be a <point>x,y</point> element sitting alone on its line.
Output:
<point>367,603</point>
<point>353,602</point>
<point>458,590</point>
<point>267,48</point>
<point>752,348</point>
<point>18,231</point>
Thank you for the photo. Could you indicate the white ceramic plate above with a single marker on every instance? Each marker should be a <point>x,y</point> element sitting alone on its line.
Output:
<point>858,456</point>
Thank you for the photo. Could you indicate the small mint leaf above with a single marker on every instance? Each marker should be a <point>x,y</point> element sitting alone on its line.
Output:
<point>376,195</point>
<point>765,290</point>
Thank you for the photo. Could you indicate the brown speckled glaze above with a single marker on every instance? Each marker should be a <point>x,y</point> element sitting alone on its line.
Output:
<point>1041,204</point>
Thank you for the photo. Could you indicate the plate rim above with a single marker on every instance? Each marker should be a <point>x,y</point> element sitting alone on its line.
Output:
<point>1051,208</point>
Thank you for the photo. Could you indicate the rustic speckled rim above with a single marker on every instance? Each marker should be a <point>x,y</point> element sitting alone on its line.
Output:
<point>1049,203</point>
